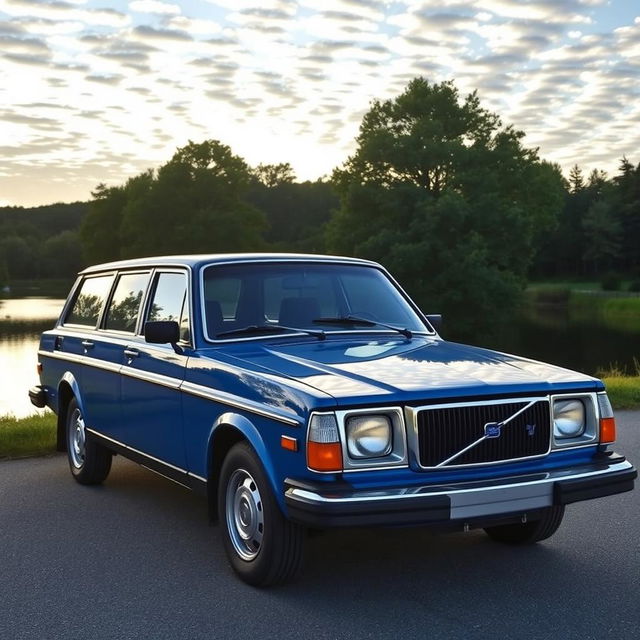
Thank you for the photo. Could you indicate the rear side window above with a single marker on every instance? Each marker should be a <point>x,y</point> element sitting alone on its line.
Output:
<point>89,301</point>
<point>170,301</point>
<point>124,308</point>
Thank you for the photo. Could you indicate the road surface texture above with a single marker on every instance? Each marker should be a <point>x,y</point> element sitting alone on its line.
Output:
<point>136,558</point>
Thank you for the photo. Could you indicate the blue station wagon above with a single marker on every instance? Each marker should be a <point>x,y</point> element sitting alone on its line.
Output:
<point>304,392</point>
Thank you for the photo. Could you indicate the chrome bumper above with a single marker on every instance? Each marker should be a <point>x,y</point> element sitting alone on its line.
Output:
<point>327,506</point>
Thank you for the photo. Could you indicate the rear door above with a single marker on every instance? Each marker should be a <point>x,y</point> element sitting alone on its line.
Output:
<point>93,365</point>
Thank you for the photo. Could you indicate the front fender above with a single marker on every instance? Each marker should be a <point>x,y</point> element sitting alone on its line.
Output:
<point>249,431</point>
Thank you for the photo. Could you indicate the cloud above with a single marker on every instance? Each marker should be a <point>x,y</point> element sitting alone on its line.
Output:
<point>154,7</point>
<point>276,79</point>
<point>146,31</point>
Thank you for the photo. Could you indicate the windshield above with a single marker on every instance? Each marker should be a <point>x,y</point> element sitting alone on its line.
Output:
<point>240,298</point>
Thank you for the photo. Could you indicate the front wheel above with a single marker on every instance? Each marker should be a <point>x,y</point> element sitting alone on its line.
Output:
<point>263,547</point>
<point>89,461</point>
<point>528,532</point>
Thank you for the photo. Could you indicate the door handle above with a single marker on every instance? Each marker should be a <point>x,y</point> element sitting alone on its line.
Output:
<point>131,353</point>
<point>57,343</point>
<point>87,344</point>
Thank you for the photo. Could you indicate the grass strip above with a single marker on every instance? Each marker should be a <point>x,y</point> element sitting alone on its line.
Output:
<point>623,391</point>
<point>31,436</point>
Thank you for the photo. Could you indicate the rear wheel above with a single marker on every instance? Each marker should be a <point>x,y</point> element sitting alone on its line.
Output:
<point>263,547</point>
<point>528,532</point>
<point>89,461</point>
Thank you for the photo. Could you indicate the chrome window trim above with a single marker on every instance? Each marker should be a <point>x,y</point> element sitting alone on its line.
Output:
<point>412,430</point>
<point>290,334</point>
<point>594,428</point>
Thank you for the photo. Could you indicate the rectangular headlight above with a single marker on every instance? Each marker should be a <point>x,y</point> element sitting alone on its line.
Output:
<point>368,436</point>
<point>569,418</point>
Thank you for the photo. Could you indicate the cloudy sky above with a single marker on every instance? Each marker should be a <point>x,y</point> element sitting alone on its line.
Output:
<point>99,90</point>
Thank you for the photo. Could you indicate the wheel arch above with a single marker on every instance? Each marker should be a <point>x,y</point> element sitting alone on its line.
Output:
<point>67,390</point>
<point>229,429</point>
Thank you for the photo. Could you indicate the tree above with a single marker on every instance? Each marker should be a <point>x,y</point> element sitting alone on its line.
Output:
<point>194,203</point>
<point>273,175</point>
<point>602,234</point>
<point>20,257</point>
<point>296,213</point>
<point>62,255</point>
<point>449,198</point>
<point>100,229</point>
<point>576,181</point>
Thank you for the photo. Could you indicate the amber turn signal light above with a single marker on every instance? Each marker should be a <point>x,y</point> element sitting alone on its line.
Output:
<point>324,456</point>
<point>288,443</point>
<point>607,430</point>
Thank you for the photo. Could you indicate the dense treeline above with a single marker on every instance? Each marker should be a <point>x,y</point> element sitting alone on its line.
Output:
<point>40,242</point>
<point>598,229</point>
<point>438,189</point>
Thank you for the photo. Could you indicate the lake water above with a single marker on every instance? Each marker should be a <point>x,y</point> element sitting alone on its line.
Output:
<point>21,322</point>
<point>549,334</point>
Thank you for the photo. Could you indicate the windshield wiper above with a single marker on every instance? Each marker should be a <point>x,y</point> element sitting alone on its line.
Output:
<point>270,328</point>
<point>369,323</point>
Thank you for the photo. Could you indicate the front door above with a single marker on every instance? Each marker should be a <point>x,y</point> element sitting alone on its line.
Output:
<point>151,377</point>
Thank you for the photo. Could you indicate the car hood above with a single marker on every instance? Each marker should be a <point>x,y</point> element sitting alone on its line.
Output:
<point>390,369</point>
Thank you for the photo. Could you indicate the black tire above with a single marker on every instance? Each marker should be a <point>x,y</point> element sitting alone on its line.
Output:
<point>89,461</point>
<point>263,547</point>
<point>528,532</point>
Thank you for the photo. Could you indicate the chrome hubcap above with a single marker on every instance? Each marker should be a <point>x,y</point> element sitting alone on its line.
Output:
<point>77,439</point>
<point>245,515</point>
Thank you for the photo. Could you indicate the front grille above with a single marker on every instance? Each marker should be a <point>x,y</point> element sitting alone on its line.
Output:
<point>443,432</point>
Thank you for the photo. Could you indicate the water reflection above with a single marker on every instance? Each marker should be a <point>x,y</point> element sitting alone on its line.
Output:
<point>30,309</point>
<point>21,322</point>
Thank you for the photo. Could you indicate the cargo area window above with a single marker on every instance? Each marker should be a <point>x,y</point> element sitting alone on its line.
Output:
<point>89,301</point>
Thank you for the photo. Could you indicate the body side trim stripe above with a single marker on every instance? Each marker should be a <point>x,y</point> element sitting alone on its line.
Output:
<point>234,401</point>
<point>175,383</point>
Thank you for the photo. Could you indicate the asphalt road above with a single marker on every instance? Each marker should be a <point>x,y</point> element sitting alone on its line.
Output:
<point>136,558</point>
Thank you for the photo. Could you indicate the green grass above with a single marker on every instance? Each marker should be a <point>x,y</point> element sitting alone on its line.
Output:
<point>31,436</point>
<point>624,392</point>
<point>565,284</point>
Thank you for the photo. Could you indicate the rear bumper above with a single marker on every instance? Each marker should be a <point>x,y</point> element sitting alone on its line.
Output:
<point>468,503</point>
<point>38,397</point>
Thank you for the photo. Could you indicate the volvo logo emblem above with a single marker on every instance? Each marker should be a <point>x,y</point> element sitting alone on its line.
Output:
<point>531,429</point>
<point>492,430</point>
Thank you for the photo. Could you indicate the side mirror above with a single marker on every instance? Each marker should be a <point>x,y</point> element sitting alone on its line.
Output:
<point>163,332</point>
<point>435,319</point>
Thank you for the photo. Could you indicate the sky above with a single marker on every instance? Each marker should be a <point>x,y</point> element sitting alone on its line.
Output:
<point>94,92</point>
